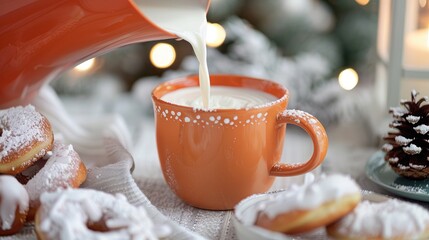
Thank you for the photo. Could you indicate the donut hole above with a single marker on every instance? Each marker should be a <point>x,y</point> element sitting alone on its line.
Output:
<point>31,171</point>
<point>99,226</point>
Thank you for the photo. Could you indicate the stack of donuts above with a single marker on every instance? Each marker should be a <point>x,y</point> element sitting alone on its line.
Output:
<point>39,181</point>
<point>32,162</point>
<point>334,202</point>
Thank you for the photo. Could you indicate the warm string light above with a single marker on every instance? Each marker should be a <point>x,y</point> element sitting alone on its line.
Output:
<point>348,79</point>
<point>215,35</point>
<point>162,55</point>
<point>85,66</point>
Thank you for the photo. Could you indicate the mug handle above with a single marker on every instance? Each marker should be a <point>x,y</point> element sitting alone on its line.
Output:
<point>318,135</point>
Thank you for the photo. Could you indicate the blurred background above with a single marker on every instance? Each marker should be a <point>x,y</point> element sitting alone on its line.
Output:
<point>322,50</point>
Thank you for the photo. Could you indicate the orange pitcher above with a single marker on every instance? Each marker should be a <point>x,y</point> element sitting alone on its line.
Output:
<point>40,39</point>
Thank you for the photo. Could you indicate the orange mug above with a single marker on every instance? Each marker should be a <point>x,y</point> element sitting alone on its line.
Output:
<point>214,166</point>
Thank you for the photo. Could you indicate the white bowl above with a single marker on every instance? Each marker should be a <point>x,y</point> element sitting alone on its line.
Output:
<point>245,215</point>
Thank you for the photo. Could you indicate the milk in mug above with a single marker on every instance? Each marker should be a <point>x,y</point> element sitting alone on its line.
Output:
<point>221,97</point>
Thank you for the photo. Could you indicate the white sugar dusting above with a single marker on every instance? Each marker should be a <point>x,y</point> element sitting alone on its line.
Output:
<point>412,149</point>
<point>395,124</point>
<point>412,119</point>
<point>412,189</point>
<point>391,219</point>
<point>397,111</point>
<point>312,121</point>
<point>402,141</point>
<point>403,167</point>
<point>387,147</point>
<point>309,195</point>
<point>418,167</point>
<point>298,114</point>
<point>301,114</point>
<point>393,160</point>
<point>13,196</point>
<point>422,129</point>
<point>58,171</point>
<point>20,126</point>
<point>69,209</point>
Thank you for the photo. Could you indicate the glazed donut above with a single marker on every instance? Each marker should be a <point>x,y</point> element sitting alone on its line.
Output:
<point>90,214</point>
<point>25,136</point>
<point>13,205</point>
<point>62,169</point>
<point>310,206</point>
<point>392,219</point>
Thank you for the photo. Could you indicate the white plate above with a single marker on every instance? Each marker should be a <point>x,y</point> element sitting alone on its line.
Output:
<point>382,174</point>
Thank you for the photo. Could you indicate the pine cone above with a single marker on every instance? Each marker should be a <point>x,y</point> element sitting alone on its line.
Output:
<point>407,148</point>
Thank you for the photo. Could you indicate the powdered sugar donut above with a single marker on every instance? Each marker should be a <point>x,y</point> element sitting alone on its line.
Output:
<point>25,137</point>
<point>74,214</point>
<point>13,205</point>
<point>63,169</point>
<point>392,219</point>
<point>310,206</point>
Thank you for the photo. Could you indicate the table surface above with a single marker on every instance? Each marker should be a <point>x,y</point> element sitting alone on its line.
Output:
<point>351,145</point>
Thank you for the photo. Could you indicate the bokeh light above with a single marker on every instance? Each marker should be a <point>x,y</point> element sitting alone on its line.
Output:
<point>362,2</point>
<point>348,79</point>
<point>162,55</point>
<point>215,35</point>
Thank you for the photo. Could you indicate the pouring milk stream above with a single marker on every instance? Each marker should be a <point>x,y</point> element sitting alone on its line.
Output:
<point>187,19</point>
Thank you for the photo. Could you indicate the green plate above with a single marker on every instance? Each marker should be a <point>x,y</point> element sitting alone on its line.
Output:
<point>381,174</point>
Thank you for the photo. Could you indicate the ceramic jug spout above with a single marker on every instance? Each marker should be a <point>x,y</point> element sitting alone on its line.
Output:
<point>40,39</point>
